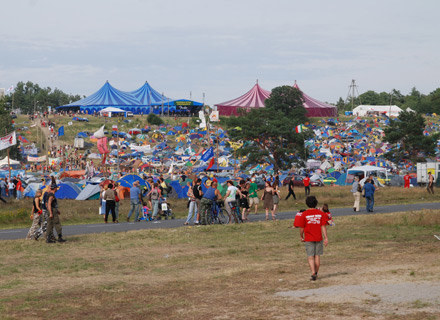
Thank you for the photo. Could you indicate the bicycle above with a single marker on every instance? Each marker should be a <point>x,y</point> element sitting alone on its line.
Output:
<point>218,214</point>
<point>235,209</point>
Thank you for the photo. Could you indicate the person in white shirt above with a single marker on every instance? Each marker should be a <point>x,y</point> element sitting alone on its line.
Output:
<point>230,197</point>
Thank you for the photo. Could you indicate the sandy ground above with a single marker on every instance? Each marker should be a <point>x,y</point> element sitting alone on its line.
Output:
<point>381,297</point>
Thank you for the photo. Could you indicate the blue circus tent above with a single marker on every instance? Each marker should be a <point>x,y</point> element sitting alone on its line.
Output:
<point>147,96</point>
<point>107,96</point>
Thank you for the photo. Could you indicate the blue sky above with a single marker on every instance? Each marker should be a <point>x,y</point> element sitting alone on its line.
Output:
<point>221,47</point>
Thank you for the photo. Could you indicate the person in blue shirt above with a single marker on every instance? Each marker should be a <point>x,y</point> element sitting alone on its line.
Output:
<point>135,202</point>
<point>369,190</point>
<point>211,195</point>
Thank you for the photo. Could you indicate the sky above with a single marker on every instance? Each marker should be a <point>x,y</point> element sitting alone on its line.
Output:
<point>220,48</point>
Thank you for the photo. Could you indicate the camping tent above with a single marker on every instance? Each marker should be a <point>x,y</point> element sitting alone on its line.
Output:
<point>254,98</point>
<point>67,190</point>
<point>317,108</point>
<point>128,180</point>
<point>363,110</point>
<point>91,191</point>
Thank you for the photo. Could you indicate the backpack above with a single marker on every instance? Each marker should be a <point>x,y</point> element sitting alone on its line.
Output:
<point>154,194</point>
<point>45,199</point>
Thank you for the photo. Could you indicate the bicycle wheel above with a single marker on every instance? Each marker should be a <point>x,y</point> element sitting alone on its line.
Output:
<point>223,217</point>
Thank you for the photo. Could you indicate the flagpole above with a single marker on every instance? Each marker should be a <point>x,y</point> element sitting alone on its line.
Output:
<point>9,163</point>
<point>218,137</point>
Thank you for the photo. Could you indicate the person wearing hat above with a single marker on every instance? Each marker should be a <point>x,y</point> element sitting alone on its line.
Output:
<point>54,215</point>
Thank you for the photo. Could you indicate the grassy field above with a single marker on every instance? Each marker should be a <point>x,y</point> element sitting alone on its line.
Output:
<point>16,213</point>
<point>220,272</point>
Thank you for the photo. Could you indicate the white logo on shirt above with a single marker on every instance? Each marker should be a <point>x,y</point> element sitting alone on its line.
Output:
<point>314,219</point>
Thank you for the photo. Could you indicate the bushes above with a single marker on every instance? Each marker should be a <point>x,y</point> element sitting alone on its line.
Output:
<point>154,119</point>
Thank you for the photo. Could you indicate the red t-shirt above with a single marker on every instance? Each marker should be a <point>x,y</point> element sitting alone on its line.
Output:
<point>407,178</point>
<point>306,182</point>
<point>312,220</point>
<point>296,222</point>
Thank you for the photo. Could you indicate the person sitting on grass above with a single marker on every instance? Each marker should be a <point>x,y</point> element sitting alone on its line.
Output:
<point>313,226</point>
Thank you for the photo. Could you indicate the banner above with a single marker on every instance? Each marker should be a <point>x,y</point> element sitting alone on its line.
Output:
<point>36,159</point>
<point>54,161</point>
<point>235,145</point>
<point>8,141</point>
<point>207,155</point>
<point>102,145</point>
<point>214,116</point>
<point>61,131</point>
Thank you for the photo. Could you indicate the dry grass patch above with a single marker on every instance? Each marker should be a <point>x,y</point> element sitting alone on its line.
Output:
<point>218,272</point>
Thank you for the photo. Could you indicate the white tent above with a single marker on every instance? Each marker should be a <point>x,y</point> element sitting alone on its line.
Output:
<point>110,110</point>
<point>363,110</point>
<point>5,161</point>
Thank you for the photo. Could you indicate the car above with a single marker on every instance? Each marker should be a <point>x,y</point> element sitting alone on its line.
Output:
<point>130,114</point>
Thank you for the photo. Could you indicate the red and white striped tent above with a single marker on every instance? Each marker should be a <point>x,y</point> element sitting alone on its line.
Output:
<point>317,108</point>
<point>254,98</point>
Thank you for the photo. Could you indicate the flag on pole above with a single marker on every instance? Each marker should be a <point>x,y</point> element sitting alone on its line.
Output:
<point>208,154</point>
<point>10,89</point>
<point>299,128</point>
<point>211,163</point>
<point>61,131</point>
<point>8,141</point>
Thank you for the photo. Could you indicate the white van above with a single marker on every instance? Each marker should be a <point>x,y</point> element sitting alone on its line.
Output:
<point>381,174</point>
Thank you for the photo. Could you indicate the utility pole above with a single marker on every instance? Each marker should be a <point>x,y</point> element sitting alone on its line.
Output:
<point>353,93</point>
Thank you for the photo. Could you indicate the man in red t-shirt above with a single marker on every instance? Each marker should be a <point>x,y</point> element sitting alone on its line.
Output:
<point>306,182</point>
<point>406,179</point>
<point>313,226</point>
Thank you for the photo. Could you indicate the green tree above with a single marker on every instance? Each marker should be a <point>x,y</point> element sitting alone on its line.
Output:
<point>30,97</point>
<point>269,133</point>
<point>154,119</point>
<point>409,142</point>
<point>7,127</point>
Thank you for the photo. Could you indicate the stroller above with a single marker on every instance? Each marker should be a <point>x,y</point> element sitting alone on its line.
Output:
<point>146,214</point>
<point>164,209</point>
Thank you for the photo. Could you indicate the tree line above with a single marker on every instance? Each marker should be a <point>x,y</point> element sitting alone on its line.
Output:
<point>414,100</point>
<point>30,97</point>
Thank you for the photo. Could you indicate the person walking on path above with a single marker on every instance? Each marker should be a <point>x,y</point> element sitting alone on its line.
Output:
<point>313,232</point>
<point>198,194</point>
<point>155,194</point>
<point>356,189</point>
<point>253,196</point>
<point>406,179</point>
<point>117,199</point>
<point>54,216</point>
<point>3,186</point>
<point>135,202</point>
<point>267,199</point>
<point>291,187</point>
<point>430,186</point>
<point>11,189</point>
<point>306,182</point>
<point>110,203</point>
<point>369,190</point>
<point>36,216</point>
<point>192,205</point>
<point>19,188</point>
